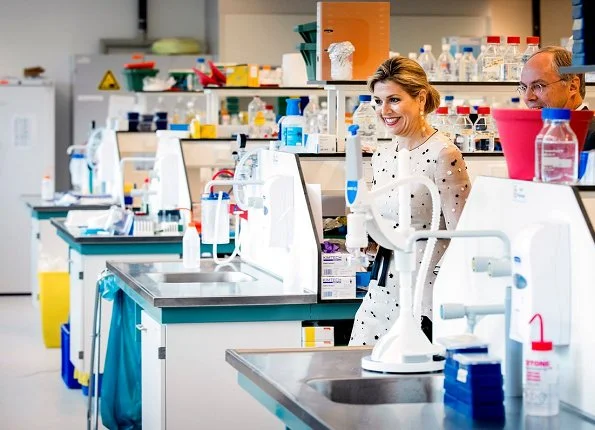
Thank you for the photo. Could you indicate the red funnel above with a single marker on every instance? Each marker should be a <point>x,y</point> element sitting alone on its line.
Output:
<point>518,129</point>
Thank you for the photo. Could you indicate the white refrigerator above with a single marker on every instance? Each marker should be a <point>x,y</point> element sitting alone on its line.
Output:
<point>27,146</point>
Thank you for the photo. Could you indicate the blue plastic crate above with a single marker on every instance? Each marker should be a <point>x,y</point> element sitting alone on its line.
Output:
<point>67,367</point>
<point>85,388</point>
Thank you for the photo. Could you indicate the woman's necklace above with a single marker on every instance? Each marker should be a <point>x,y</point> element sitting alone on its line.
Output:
<point>420,144</point>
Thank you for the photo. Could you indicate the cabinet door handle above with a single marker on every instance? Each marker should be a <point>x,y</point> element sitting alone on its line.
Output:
<point>141,327</point>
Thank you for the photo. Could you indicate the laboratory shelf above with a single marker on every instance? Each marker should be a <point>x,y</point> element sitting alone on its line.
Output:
<point>579,69</point>
<point>263,91</point>
<point>169,93</point>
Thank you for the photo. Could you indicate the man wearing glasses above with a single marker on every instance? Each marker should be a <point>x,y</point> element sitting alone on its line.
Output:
<point>542,85</point>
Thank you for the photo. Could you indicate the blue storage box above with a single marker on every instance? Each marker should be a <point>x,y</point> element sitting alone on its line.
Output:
<point>489,412</point>
<point>474,370</point>
<point>484,395</point>
<point>67,369</point>
<point>85,388</point>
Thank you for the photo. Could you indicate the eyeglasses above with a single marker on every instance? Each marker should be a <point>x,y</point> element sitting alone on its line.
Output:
<point>537,89</point>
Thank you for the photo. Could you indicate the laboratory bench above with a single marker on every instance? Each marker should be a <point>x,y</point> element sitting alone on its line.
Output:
<point>87,256</point>
<point>328,389</point>
<point>186,326</point>
<point>43,238</point>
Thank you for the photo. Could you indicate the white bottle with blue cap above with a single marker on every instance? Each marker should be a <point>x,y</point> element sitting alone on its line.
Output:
<point>292,125</point>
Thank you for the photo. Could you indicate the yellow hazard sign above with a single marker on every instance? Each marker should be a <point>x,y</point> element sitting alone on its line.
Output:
<point>109,82</point>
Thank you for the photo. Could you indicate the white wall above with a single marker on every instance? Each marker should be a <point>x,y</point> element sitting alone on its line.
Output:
<point>556,21</point>
<point>49,32</point>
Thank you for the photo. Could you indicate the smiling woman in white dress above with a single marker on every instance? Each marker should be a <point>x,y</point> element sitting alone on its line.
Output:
<point>403,98</point>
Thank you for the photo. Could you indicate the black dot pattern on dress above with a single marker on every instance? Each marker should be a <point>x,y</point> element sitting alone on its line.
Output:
<point>435,160</point>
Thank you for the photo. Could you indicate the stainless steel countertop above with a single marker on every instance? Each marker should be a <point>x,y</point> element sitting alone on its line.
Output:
<point>264,290</point>
<point>35,203</point>
<point>77,237</point>
<point>283,375</point>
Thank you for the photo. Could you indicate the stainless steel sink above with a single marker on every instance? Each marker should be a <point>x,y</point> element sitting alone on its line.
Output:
<point>201,277</point>
<point>381,390</point>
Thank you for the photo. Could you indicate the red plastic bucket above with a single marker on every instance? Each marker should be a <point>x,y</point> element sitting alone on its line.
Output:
<point>518,129</point>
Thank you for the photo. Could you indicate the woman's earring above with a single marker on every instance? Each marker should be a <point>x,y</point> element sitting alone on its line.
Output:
<point>423,122</point>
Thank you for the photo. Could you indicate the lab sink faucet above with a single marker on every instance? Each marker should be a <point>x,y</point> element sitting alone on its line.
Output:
<point>405,348</point>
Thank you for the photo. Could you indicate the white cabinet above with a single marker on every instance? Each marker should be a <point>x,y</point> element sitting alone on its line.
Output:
<point>84,272</point>
<point>194,387</point>
<point>153,372</point>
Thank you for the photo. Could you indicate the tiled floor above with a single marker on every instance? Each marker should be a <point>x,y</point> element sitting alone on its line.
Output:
<point>32,395</point>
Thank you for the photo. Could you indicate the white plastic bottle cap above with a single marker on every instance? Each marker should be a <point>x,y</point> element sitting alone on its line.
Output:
<point>427,48</point>
<point>446,47</point>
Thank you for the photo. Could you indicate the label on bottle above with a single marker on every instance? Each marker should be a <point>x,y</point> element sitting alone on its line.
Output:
<point>292,135</point>
<point>491,68</point>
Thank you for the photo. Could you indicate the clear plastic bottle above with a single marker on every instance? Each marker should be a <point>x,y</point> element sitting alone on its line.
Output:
<point>532,48</point>
<point>270,127</point>
<point>292,125</point>
<point>47,188</point>
<point>311,115</point>
<point>78,172</point>
<point>546,118</point>
<point>515,103</point>
<point>255,107</point>
<point>445,65</point>
<point>483,130</point>
<point>428,62</point>
<point>467,66</point>
<point>179,113</point>
<point>512,60</point>
<point>541,389</point>
<point>559,153</point>
<point>191,247</point>
<point>201,65</point>
<point>492,60</point>
<point>323,118</point>
<point>449,102</point>
<point>463,129</point>
<point>442,123</point>
<point>479,62</point>
<point>365,116</point>
<point>458,56</point>
<point>191,112</point>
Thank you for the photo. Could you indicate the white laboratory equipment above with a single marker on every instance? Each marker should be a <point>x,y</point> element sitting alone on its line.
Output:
<point>27,133</point>
<point>541,395</point>
<point>191,247</point>
<point>540,288</point>
<point>405,348</point>
<point>514,206</point>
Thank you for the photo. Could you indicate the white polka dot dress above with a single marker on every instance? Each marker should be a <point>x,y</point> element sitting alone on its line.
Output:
<point>441,161</point>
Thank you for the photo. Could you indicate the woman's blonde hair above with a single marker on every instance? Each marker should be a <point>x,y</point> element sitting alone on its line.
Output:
<point>409,75</point>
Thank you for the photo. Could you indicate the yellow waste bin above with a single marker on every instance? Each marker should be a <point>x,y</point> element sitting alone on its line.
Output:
<point>54,303</point>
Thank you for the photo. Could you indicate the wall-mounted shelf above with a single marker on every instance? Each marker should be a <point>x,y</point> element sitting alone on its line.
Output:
<point>214,94</point>
<point>436,83</point>
<point>578,69</point>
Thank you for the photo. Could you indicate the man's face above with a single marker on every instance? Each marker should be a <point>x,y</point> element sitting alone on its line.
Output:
<point>544,88</point>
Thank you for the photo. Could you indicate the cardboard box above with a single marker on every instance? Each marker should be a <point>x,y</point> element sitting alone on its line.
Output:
<point>324,344</point>
<point>366,24</point>
<point>321,143</point>
<point>318,334</point>
<point>242,75</point>
<point>337,264</point>
<point>337,287</point>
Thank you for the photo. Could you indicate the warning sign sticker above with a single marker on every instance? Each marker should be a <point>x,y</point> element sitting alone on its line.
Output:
<point>109,82</point>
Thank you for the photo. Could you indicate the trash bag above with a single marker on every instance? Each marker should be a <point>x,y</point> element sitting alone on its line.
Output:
<point>121,407</point>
